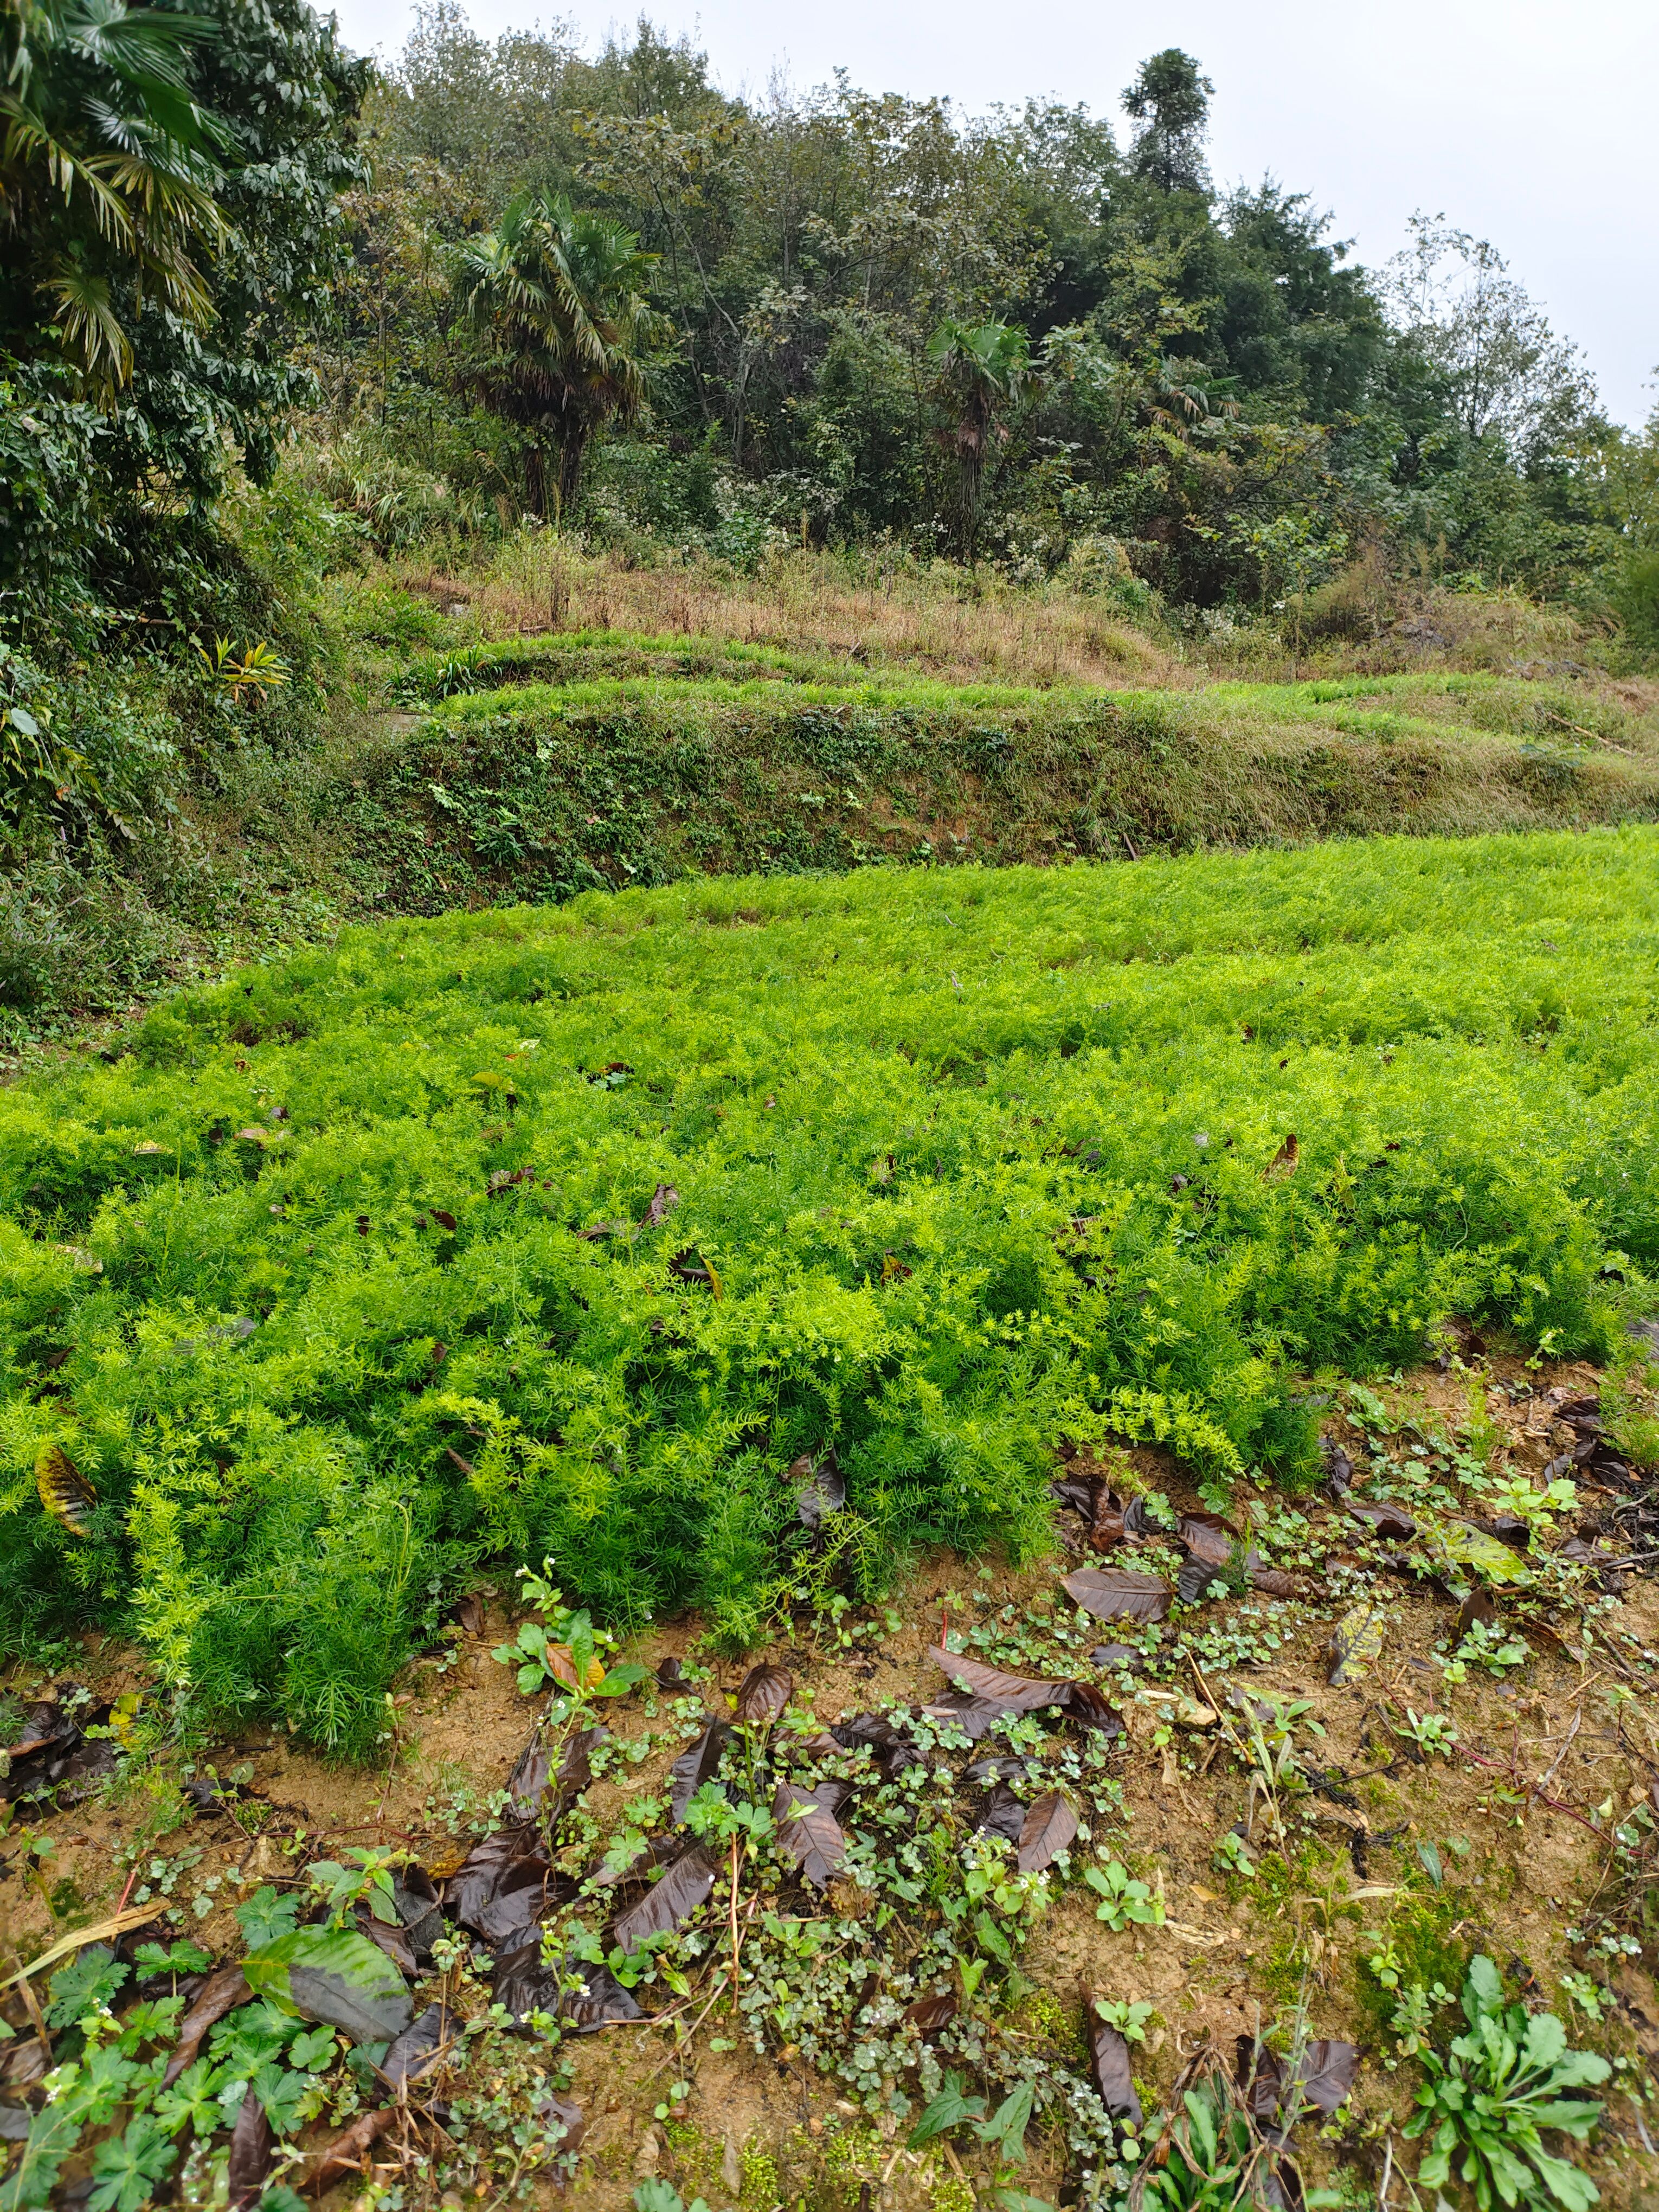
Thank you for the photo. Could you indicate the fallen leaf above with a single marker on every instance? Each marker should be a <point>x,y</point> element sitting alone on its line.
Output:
<point>1324,2076</point>
<point>1463,1545</point>
<point>1356,1642</point>
<point>1272,1582</point>
<point>148,1150</point>
<point>894,1751</point>
<point>696,1764</point>
<point>220,1994</point>
<point>1094,1709</point>
<point>499,1867</point>
<point>984,1772</point>
<point>1509,1529</point>
<point>663,1200</point>
<point>1114,2074</point>
<point>335,1975</point>
<point>527,1785</point>
<point>823,1488</point>
<point>585,1995</point>
<point>809,1831</point>
<point>390,1939</point>
<point>670,1903</point>
<point>1050,1828</point>
<point>65,1491</point>
<point>468,1614</point>
<point>928,2014</point>
<point>1387,1521</point>
<point>1477,1606</point>
<point>444,1221</point>
<point>1284,1162</point>
<point>252,2153</point>
<point>764,1694</point>
<point>1119,1594</point>
<point>421,2047</point>
<point>1010,1693</point>
<point>1193,1583</point>
<point>100,1931</point>
<point>1125,1657</point>
<point>1004,1816</point>
<point>1207,1536</point>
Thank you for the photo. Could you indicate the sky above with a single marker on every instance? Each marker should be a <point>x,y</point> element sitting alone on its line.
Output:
<point>1530,123</point>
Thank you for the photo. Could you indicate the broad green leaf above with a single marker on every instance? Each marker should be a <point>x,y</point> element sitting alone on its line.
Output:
<point>337,1975</point>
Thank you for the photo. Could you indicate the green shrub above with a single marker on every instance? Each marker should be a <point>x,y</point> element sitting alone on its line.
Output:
<point>939,1167</point>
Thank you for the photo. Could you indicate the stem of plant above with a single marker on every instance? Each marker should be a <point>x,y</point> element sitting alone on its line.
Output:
<point>734,1927</point>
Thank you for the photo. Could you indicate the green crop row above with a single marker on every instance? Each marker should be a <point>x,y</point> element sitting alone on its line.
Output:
<point>935,1167</point>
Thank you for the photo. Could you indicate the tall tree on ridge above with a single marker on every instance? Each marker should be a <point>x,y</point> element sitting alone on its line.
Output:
<point>558,300</point>
<point>1169,100</point>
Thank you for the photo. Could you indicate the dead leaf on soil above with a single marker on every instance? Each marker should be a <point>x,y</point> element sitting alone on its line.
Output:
<point>928,2014</point>
<point>252,2152</point>
<point>346,2152</point>
<point>669,1903</point>
<point>220,1993</point>
<point>1009,1694</point>
<point>1050,1828</point>
<point>1387,1521</point>
<point>696,1764</point>
<point>1356,1642</point>
<point>1119,1594</point>
<point>1477,1606</point>
<point>764,1694</point>
<point>421,2047</point>
<point>1113,2074</point>
<point>1094,1709</point>
<point>65,1491</point>
<point>809,1831</point>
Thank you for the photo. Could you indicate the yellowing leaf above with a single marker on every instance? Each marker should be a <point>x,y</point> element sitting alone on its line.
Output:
<point>562,1665</point>
<point>716,1287</point>
<point>65,1491</point>
<point>148,1150</point>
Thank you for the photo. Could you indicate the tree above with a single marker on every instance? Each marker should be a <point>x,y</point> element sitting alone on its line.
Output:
<point>1505,370</point>
<point>107,172</point>
<point>1169,100</point>
<point>557,299</point>
<point>980,371</point>
<point>169,224</point>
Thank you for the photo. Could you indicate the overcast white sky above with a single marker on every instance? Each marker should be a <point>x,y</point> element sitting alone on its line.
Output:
<point>1529,122</point>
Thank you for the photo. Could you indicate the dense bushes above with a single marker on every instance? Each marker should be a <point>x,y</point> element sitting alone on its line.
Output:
<point>935,1168</point>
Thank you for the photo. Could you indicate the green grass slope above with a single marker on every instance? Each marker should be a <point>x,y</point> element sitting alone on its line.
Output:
<point>567,1230</point>
<point>543,767</point>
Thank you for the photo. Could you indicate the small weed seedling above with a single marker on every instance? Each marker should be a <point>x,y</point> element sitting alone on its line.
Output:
<point>563,1647</point>
<point>1484,2105</point>
<point>1124,1901</point>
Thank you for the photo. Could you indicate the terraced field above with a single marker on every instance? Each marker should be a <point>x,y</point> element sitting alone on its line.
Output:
<point>869,1535</point>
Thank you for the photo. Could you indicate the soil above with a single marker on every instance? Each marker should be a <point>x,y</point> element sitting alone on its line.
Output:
<point>1517,1814</point>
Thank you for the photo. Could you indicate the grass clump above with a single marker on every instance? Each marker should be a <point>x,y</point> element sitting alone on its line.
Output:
<point>567,1233</point>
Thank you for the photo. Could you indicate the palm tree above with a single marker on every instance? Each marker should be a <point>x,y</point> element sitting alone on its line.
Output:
<point>557,299</point>
<point>980,371</point>
<point>106,172</point>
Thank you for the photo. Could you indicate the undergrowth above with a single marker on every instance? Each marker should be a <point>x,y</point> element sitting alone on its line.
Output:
<point>569,1232</point>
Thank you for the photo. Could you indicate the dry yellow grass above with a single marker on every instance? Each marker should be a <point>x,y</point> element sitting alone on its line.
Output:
<point>937,622</point>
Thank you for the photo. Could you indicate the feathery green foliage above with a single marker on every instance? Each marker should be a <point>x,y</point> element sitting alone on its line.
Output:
<point>937,1168</point>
